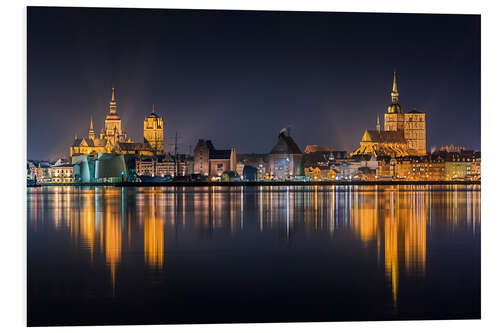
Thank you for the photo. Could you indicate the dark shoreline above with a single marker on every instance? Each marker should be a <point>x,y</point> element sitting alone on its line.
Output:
<point>265,183</point>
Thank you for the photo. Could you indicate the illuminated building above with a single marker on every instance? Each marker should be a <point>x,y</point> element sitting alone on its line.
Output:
<point>317,148</point>
<point>403,134</point>
<point>285,159</point>
<point>313,173</point>
<point>165,166</point>
<point>476,167</point>
<point>62,173</point>
<point>386,169</point>
<point>222,161</point>
<point>153,132</point>
<point>363,167</point>
<point>113,139</point>
<point>420,168</point>
<point>412,168</point>
<point>458,168</point>
<point>319,164</point>
<point>42,172</point>
<point>209,161</point>
<point>382,143</point>
<point>438,166</point>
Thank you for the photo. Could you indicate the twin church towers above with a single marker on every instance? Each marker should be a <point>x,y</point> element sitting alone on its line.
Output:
<point>113,138</point>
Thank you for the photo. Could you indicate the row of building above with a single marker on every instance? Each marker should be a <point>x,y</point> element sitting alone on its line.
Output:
<point>316,163</point>
<point>438,166</point>
<point>396,152</point>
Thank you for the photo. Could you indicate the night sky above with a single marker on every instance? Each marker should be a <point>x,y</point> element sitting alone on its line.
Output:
<point>238,77</point>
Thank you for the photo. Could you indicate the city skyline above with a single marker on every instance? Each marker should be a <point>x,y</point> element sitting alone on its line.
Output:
<point>225,86</point>
<point>193,166</point>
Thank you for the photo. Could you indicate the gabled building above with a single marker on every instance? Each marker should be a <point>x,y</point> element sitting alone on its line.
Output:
<point>209,161</point>
<point>382,143</point>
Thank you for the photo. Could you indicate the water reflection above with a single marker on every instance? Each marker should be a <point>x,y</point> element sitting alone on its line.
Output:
<point>153,234</point>
<point>394,223</point>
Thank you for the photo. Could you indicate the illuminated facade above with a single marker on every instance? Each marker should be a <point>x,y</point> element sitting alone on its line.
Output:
<point>113,139</point>
<point>209,161</point>
<point>403,134</point>
<point>419,168</point>
<point>285,159</point>
<point>58,173</point>
<point>153,132</point>
<point>168,166</point>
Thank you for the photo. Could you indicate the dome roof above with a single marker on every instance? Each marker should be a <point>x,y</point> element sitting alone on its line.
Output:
<point>394,108</point>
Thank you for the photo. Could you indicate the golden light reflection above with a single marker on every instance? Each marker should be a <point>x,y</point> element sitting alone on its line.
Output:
<point>364,216</point>
<point>394,221</point>
<point>87,228</point>
<point>153,235</point>
<point>113,242</point>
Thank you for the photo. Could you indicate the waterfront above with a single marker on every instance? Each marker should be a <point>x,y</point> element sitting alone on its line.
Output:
<point>109,255</point>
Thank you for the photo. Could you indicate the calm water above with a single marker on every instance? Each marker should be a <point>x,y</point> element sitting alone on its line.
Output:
<point>257,254</point>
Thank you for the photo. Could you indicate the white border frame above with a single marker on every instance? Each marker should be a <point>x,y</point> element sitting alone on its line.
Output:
<point>13,134</point>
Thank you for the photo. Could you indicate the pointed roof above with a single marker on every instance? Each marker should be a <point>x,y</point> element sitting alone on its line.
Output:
<point>113,115</point>
<point>285,145</point>
<point>394,84</point>
<point>84,143</point>
<point>394,92</point>
<point>91,129</point>
<point>153,113</point>
<point>394,107</point>
<point>383,136</point>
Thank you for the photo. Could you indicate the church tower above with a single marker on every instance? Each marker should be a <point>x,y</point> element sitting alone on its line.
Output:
<point>154,132</point>
<point>415,133</point>
<point>113,122</point>
<point>394,118</point>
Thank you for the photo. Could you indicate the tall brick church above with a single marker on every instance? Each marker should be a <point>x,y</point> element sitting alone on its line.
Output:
<point>404,134</point>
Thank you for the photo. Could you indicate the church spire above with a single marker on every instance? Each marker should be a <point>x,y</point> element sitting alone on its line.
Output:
<point>153,109</point>
<point>394,93</point>
<point>378,123</point>
<point>91,129</point>
<point>112,103</point>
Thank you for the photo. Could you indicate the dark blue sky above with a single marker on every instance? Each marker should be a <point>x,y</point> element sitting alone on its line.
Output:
<point>238,77</point>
